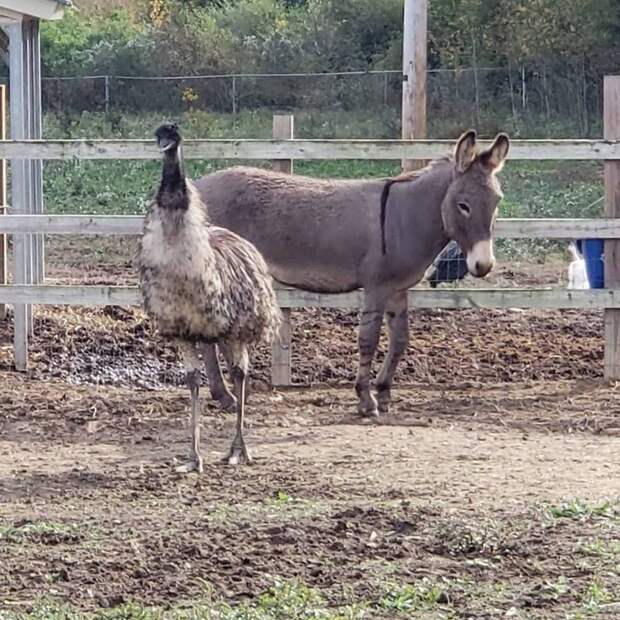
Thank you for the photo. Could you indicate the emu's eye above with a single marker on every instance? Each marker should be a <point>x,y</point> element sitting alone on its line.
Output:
<point>464,208</point>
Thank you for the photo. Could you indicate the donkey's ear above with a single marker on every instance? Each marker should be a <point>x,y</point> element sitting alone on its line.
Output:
<point>465,151</point>
<point>495,156</point>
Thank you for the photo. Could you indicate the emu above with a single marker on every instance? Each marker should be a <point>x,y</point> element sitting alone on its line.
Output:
<point>202,285</point>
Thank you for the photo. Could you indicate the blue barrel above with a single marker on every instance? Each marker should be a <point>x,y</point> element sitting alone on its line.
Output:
<point>592,251</point>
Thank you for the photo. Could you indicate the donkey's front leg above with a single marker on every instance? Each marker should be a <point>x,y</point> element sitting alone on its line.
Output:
<point>217,386</point>
<point>368,339</point>
<point>398,328</point>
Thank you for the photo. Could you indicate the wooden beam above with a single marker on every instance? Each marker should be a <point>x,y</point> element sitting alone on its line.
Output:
<point>19,186</point>
<point>611,130</point>
<point>511,228</point>
<point>73,224</point>
<point>4,260</point>
<point>281,350</point>
<point>567,150</point>
<point>447,299</point>
<point>555,228</point>
<point>35,127</point>
<point>413,111</point>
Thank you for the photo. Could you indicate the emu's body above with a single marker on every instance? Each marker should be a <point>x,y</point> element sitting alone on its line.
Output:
<point>203,285</point>
<point>449,266</point>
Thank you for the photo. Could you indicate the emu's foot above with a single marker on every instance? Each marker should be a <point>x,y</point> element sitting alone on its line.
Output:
<point>238,453</point>
<point>196,464</point>
<point>384,398</point>
<point>226,400</point>
<point>367,407</point>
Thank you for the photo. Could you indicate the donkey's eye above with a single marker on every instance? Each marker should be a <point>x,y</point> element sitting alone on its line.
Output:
<point>464,208</point>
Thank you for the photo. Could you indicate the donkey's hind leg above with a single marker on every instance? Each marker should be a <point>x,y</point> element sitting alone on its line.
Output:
<point>398,329</point>
<point>217,386</point>
<point>368,339</point>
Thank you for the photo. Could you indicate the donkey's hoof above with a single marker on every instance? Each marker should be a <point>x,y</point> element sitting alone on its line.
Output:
<point>384,399</point>
<point>227,402</point>
<point>368,409</point>
<point>384,406</point>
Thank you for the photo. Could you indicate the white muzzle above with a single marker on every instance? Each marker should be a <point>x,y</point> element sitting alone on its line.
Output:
<point>480,259</point>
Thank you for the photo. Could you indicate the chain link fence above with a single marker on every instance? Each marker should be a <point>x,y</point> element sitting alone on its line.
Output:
<point>487,97</point>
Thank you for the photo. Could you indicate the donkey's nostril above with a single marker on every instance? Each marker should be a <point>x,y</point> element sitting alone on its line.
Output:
<point>477,266</point>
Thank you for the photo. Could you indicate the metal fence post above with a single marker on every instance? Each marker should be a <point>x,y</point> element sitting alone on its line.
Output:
<point>611,131</point>
<point>107,93</point>
<point>3,238</point>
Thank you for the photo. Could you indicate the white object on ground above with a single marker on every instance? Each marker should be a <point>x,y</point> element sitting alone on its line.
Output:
<point>577,274</point>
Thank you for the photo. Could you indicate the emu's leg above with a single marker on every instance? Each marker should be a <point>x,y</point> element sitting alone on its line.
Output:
<point>368,339</point>
<point>398,328</point>
<point>238,363</point>
<point>191,361</point>
<point>217,385</point>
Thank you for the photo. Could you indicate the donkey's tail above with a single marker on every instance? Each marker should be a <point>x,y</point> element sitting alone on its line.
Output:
<point>384,198</point>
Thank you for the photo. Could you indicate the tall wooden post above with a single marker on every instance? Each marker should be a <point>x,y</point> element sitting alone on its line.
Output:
<point>3,239</point>
<point>26,175</point>
<point>281,350</point>
<point>611,131</point>
<point>414,75</point>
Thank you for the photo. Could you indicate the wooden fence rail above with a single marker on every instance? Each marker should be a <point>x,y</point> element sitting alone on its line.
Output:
<point>508,228</point>
<point>301,149</point>
<point>447,299</point>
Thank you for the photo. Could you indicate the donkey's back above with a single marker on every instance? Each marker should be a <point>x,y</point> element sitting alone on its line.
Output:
<point>314,234</point>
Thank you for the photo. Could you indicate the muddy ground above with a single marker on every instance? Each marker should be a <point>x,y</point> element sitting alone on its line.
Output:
<point>495,479</point>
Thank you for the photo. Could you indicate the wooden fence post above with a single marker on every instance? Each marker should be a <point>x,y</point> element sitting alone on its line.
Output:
<point>281,350</point>
<point>3,238</point>
<point>611,131</point>
<point>414,75</point>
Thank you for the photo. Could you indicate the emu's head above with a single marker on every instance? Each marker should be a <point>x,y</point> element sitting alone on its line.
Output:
<point>168,136</point>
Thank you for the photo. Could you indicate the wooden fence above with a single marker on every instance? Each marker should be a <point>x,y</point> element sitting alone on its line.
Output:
<point>21,294</point>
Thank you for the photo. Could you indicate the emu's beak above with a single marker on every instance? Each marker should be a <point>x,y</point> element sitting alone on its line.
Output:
<point>164,145</point>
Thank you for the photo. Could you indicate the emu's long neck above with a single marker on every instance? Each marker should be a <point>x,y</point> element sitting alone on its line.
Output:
<point>172,192</point>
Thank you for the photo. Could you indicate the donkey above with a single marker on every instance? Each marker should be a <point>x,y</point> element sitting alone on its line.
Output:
<point>325,236</point>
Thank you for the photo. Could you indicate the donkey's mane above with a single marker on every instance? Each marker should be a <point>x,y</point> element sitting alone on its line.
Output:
<point>403,178</point>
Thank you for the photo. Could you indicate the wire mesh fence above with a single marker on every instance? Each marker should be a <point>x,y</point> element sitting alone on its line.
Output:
<point>481,96</point>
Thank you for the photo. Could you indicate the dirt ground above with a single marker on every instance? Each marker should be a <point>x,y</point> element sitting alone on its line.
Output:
<point>473,489</point>
<point>496,476</point>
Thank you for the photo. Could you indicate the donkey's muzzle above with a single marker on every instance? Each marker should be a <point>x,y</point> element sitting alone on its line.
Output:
<point>480,259</point>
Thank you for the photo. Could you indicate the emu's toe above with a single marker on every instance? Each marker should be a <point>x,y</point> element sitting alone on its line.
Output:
<point>195,464</point>
<point>238,454</point>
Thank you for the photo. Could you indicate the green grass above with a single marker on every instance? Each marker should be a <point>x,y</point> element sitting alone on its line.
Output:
<point>282,508</point>
<point>285,601</point>
<point>37,531</point>
<point>608,550</point>
<point>290,600</point>
<point>408,598</point>
<point>581,510</point>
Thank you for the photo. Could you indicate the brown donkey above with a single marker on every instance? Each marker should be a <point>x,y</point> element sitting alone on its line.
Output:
<point>326,236</point>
